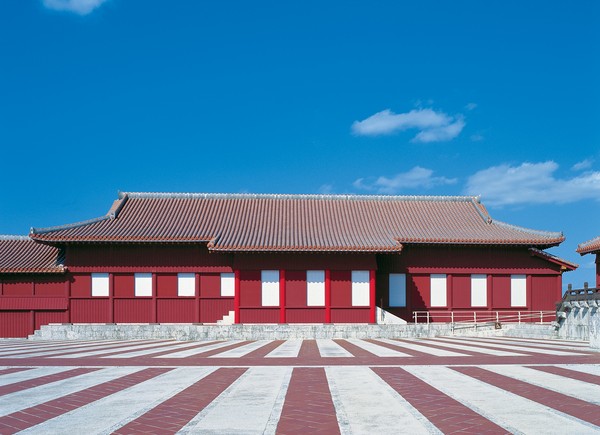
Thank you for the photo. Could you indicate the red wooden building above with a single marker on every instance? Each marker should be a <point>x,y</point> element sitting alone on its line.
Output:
<point>592,247</point>
<point>241,258</point>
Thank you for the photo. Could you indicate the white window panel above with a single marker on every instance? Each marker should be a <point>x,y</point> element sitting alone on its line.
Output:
<point>315,288</point>
<point>143,284</point>
<point>397,289</point>
<point>438,290</point>
<point>479,290</point>
<point>360,288</point>
<point>270,288</point>
<point>227,284</point>
<point>100,285</point>
<point>186,284</point>
<point>518,291</point>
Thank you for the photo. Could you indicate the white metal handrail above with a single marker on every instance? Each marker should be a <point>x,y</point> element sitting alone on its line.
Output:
<point>479,317</point>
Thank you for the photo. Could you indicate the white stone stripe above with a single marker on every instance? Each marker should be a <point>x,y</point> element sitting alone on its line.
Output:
<point>288,349</point>
<point>116,410</point>
<point>570,387</point>
<point>36,345</point>
<point>421,348</point>
<point>25,375</point>
<point>511,347</point>
<point>242,350</point>
<point>64,347</point>
<point>174,347</point>
<point>251,405</point>
<point>34,396</point>
<point>375,349</point>
<point>552,341</point>
<point>145,345</point>
<point>329,348</point>
<point>199,350</point>
<point>592,369</point>
<point>529,344</point>
<point>515,413</point>
<point>364,403</point>
<point>472,348</point>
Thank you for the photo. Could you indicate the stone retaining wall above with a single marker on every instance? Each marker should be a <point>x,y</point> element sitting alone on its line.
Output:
<point>582,323</point>
<point>274,332</point>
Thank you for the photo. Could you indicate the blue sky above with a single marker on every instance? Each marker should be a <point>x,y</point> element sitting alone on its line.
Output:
<point>498,99</point>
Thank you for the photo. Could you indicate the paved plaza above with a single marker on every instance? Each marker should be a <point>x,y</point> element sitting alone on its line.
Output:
<point>437,385</point>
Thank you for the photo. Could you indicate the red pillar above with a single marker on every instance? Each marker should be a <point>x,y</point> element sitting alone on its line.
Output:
<point>327,296</point>
<point>154,316</point>
<point>282,296</point>
<point>372,305</point>
<point>598,270</point>
<point>449,292</point>
<point>197,298</point>
<point>528,288</point>
<point>236,297</point>
<point>68,294</point>
<point>111,298</point>
<point>489,292</point>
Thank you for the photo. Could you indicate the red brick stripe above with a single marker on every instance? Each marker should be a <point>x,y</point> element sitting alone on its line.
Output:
<point>309,350</point>
<point>263,351</point>
<point>174,413</point>
<point>68,348</point>
<point>440,346</point>
<point>42,380</point>
<point>447,414</point>
<point>222,349</point>
<point>29,417</point>
<point>13,370</point>
<point>160,352</point>
<point>569,405</point>
<point>410,352</point>
<point>354,349</point>
<point>308,407</point>
<point>573,374</point>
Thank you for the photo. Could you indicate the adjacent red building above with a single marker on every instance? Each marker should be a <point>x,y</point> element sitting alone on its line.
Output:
<point>592,247</point>
<point>242,258</point>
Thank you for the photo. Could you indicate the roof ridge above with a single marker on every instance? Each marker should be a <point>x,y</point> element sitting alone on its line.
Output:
<point>543,253</point>
<point>582,248</point>
<point>14,237</point>
<point>194,195</point>
<point>555,234</point>
<point>34,231</point>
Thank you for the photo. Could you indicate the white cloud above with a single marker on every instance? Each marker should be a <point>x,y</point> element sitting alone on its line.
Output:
<point>584,164</point>
<point>326,189</point>
<point>417,177</point>
<point>81,7</point>
<point>471,106</point>
<point>434,126</point>
<point>443,133</point>
<point>477,137</point>
<point>533,183</point>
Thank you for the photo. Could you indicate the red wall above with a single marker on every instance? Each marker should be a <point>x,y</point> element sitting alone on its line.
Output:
<point>165,261</point>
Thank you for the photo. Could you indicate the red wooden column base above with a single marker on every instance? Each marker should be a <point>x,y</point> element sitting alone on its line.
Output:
<point>327,296</point>
<point>372,305</point>
<point>236,297</point>
<point>282,296</point>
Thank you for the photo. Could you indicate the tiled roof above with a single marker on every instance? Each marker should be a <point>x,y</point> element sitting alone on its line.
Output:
<point>20,254</point>
<point>565,264</point>
<point>589,246</point>
<point>247,222</point>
